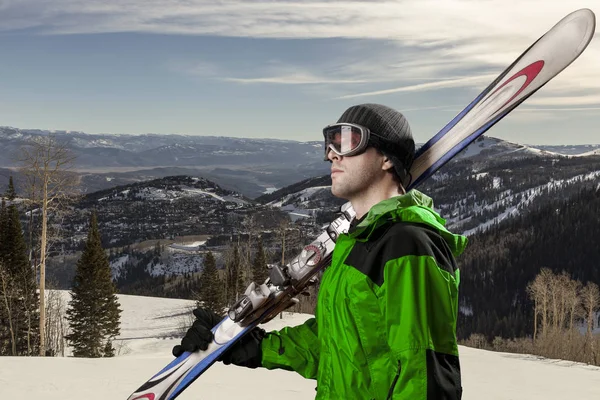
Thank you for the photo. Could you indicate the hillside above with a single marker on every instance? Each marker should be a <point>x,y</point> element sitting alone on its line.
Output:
<point>499,263</point>
<point>156,209</point>
<point>103,161</point>
<point>489,182</point>
<point>146,227</point>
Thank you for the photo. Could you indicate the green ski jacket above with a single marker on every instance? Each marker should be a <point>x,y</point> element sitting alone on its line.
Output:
<point>385,321</point>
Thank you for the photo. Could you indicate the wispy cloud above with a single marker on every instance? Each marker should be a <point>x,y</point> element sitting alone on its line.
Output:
<point>426,86</point>
<point>565,100</point>
<point>294,79</point>
<point>461,36</point>
<point>560,109</point>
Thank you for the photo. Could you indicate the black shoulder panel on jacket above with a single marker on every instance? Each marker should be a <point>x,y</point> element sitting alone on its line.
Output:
<point>397,240</point>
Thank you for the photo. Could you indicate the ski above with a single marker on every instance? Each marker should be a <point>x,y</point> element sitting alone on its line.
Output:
<point>542,61</point>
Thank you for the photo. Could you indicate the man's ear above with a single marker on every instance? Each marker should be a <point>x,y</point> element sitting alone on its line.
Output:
<point>387,164</point>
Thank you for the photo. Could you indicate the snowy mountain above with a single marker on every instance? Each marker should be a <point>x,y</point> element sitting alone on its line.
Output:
<point>157,228</point>
<point>160,208</point>
<point>488,182</point>
<point>581,149</point>
<point>247,165</point>
<point>150,327</point>
<point>250,166</point>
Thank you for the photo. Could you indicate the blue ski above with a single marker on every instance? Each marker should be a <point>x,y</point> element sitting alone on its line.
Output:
<point>541,62</point>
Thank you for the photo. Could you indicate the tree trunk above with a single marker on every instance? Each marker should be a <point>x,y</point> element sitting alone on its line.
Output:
<point>544,314</point>
<point>9,314</point>
<point>535,320</point>
<point>590,328</point>
<point>43,269</point>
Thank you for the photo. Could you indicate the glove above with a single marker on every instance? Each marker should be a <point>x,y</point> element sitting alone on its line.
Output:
<point>198,336</point>
<point>246,352</point>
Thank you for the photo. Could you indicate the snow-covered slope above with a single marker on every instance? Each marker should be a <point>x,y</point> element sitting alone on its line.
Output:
<point>488,146</point>
<point>512,204</point>
<point>150,327</point>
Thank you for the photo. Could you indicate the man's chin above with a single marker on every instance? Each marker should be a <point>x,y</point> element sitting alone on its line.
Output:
<point>337,192</point>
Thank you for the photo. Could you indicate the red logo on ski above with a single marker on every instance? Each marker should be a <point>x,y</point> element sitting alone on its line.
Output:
<point>149,396</point>
<point>530,72</point>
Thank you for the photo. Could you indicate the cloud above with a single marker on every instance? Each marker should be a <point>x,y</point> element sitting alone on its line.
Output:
<point>567,109</point>
<point>432,38</point>
<point>426,86</point>
<point>528,114</point>
<point>446,22</point>
<point>294,79</point>
<point>565,100</point>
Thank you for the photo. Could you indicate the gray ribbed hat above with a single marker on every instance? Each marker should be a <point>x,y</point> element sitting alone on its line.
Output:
<point>397,144</point>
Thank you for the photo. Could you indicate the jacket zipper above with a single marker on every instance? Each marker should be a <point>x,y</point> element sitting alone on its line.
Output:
<point>391,391</point>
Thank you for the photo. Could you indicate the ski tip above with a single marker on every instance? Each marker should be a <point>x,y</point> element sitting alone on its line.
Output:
<point>586,19</point>
<point>578,26</point>
<point>584,16</point>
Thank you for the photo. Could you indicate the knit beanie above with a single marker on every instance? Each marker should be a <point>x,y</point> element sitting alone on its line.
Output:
<point>394,138</point>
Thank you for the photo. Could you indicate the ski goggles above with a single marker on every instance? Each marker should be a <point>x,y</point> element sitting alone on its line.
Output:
<point>346,139</point>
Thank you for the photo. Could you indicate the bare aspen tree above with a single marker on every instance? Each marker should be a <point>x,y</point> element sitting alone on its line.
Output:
<point>47,164</point>
<point>251,227</point>
<point>56,327</point>
<point>539,290</point>
<point>6,287</point>
<point>590,296</point>
<point>573,302</point>
<point>532,291</point>
<point>563,282</point>
<point>282,232</point>
<point>554,301</point>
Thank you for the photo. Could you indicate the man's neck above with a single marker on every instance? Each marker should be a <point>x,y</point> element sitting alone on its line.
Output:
<point>362,204</point>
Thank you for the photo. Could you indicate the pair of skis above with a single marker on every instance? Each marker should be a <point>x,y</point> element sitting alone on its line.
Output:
<point>541,62</point>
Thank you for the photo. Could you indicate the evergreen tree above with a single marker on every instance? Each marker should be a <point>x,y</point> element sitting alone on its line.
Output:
<point>93,314</point>
<point>259,266</point>
<point>19,302</point>
<point>2,225</point>
<point>210,287</point>
<point>10,194</point>
<point>235,278</point>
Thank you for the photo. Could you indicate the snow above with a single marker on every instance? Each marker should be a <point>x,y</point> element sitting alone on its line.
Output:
<point>302,195</point>
<point>527,196</point>
<point>177,263</point>
<point>595,152</point>
<point>194,246</point>
<point>497,182</point>
<point>193,191</point>
<point>150,327</point>
<point>117,264</point>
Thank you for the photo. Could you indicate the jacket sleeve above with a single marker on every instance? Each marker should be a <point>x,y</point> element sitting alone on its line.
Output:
<point>419,300</point>
<point>293,349</point>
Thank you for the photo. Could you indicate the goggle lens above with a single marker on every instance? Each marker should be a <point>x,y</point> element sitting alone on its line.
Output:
<point>344,139</point>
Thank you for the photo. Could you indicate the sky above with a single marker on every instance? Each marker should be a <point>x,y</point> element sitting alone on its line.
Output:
<point>281,69</point>
<point>149,328</point>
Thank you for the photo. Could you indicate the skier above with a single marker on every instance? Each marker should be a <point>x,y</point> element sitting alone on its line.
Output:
<point>385,321</point>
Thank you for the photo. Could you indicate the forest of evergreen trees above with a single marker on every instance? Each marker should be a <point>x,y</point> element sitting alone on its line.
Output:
<point>499,264</point>
<point>19,302</point>
<point>93,312</point>
<point>217,286</point>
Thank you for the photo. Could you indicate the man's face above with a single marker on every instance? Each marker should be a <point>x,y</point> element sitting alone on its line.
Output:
<point>351,177</point>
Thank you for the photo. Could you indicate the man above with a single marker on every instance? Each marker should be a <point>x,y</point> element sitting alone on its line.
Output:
<point>385,322</point>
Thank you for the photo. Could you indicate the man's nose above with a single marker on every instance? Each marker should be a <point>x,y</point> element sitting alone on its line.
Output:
<point>332,155</point>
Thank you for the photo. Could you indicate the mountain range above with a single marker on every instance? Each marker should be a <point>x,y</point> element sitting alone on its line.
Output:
<point>252,167</point>
<point>193,194</point>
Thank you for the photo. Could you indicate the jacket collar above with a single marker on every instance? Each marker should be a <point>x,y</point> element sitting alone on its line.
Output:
<point>414,207</point>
